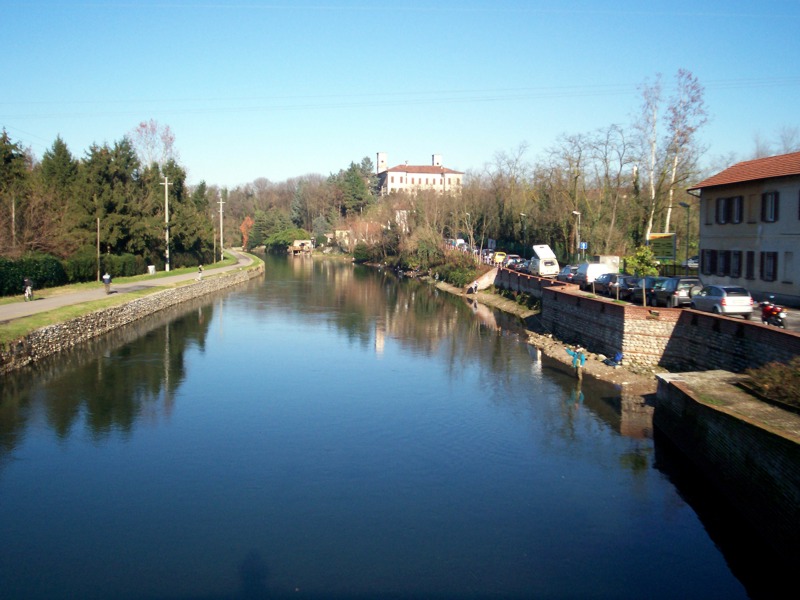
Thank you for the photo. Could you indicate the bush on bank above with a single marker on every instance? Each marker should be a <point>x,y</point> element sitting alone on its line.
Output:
<point>778,381</point>
<point>46,271</point>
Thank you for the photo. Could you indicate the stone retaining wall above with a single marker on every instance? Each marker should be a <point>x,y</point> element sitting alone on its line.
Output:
<point>757,469</point>
<point>672,338</point>
<point>52,339</point>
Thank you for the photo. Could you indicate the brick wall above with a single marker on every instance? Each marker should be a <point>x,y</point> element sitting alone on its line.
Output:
<point>673,338</point>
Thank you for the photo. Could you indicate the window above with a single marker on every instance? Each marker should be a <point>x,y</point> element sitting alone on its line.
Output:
<point>729,210</point>
<point>749,265</point>
<point>769,207</point>
<point>769,266</point>
<point>736,264</point>
<point>708,261</point>
<point>392,179</point>
<point>723,263</point>
<point>735,209</point>
<point>753,204</point>
<point>722,211</point>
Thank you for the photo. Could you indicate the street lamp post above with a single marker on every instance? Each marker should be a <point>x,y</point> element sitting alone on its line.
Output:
<point>578,234</point>
<point>688,210</point>
<point>522,217</point>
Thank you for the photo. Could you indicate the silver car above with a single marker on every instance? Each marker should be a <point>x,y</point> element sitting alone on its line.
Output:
<point>724,300</point>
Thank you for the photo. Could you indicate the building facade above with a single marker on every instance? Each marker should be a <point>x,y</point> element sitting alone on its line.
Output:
<point>413,178</point>
<point>750,227</point>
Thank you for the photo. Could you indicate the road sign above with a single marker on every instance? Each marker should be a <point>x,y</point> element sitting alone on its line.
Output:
<point>663,245</point>
<point>584,245</point>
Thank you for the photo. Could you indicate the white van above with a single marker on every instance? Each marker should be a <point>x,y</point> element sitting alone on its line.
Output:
<point>588,272</point>
<point>543,262</point>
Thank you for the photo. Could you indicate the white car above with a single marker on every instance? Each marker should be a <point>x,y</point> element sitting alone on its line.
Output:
<point>724,300</point>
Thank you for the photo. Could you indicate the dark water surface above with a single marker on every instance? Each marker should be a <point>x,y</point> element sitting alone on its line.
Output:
<point>331,432</point>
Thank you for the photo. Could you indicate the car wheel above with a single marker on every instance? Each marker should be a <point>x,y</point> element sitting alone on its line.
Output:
<point>747,316</point>
<point>716,310</point>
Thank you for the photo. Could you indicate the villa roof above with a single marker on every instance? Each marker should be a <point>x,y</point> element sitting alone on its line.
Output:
<point>783,165</point>
<point>425,169</point>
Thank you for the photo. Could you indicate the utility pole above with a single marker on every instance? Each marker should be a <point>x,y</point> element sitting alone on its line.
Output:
<point>221,244</point>
<point>166,185</point>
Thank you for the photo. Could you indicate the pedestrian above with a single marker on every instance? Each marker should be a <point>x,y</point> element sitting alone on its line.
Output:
<point>107,282</point>
<point>200,273</point>
<point>27,286</point>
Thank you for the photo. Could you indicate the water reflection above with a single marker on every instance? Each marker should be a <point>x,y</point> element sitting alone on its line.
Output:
<point>331,429</point>
<point>109,383</point>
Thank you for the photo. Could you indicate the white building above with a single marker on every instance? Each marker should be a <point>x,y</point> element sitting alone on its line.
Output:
<point>750,227</point>
<point>413,178</point>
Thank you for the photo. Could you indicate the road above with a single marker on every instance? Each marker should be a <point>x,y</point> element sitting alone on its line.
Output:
<point>17,310</point>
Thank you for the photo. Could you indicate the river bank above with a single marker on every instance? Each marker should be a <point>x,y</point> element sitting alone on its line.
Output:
<point>633,383</point>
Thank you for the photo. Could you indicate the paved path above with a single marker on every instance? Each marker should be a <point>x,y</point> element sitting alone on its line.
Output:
<point>16,310</point>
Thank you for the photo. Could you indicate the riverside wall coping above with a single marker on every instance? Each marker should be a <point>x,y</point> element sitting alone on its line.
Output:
<point>58,337</point>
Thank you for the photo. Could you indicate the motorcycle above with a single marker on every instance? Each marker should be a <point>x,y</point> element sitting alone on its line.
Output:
<point>772,314</point>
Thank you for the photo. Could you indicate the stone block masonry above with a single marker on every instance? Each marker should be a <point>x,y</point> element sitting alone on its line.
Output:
<point>52,339</point>
<point>672,338</point>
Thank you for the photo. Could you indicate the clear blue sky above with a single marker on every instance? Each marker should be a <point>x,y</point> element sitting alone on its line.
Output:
<point>283,88</point>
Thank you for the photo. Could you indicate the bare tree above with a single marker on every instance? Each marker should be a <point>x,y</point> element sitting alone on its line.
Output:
<point>648,127</point>
<point>687,113</point>
<point>788,139</point>
<point>153,143</point>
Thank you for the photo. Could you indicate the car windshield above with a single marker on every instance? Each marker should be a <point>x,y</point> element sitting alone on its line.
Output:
<point>736,291</point>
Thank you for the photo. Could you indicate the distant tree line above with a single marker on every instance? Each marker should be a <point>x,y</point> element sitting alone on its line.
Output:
<point>610,188</point>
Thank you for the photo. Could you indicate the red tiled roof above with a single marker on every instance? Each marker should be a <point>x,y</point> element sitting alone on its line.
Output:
<point>427,169</point>
<point>752,170</point>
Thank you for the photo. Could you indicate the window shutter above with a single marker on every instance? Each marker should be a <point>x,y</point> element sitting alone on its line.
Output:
<point>777,203</point>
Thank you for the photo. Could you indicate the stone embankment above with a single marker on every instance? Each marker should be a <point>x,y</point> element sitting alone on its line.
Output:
<point>52,339</point>
<point>631,383</point>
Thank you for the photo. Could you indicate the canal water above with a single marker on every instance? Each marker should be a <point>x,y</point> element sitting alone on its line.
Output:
<point>331,431</point>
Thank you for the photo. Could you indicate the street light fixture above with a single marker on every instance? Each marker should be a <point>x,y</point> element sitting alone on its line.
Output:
<point>578,235</point>
<point>688,210</point>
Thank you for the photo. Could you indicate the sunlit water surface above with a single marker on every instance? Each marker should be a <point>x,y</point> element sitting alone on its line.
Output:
<point>329,431</point>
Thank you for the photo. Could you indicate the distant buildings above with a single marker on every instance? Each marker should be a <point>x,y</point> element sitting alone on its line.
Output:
<point>413,178</point>
<point>750,227</point>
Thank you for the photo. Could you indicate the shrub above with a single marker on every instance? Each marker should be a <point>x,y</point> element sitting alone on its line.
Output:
<point>778,381</point>
<point>361,253</point>
<point>458,269</point>
<point>44,270</point>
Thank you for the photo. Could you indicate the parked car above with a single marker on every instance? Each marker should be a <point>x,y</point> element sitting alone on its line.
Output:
<point>692,263</point>
<point>567,273</point>
<point>607,283</point>
<point>543,261</point>
<point>626,285</point>
<point>650,285</point>
<point>498,258</point>
<point>724,300</point>
<point>520,265</point>
<point>510,259</point>
<point>588,272</point>
<point>677,291</point>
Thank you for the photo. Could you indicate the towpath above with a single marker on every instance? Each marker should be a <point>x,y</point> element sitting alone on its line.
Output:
<point>17,310</point>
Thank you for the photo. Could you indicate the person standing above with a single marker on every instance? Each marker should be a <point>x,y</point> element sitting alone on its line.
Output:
<point>107,282</point>
<point>200,273</point>
<point>27,286</point>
